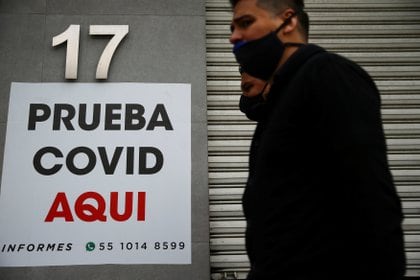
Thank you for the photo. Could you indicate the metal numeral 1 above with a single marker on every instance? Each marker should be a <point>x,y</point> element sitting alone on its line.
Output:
<point>71,36</point>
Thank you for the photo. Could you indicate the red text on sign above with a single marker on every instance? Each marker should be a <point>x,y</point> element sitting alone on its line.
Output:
<point>91,207</point>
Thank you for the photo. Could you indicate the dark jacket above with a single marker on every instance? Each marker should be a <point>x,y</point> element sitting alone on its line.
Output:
<point>320,199</point>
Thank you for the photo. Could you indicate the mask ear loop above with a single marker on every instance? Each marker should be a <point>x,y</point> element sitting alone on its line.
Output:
<point>291,44</point>
<point>288,44</point>
<point>264,88</point>
<point>286,22</point>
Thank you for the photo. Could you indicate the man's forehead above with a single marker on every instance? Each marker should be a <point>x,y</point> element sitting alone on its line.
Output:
<point>245,6</point>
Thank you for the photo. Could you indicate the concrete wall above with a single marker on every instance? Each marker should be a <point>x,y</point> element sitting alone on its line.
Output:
<point>166,43</point>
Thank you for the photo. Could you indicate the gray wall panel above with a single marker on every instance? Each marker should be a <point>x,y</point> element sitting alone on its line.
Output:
<point>2,140</point>
<point>23,6</point>
<point>4,101</point>
<point>21,47</point>
<point>155,49</point>
<point>141,7</point>
<point>165,44</point>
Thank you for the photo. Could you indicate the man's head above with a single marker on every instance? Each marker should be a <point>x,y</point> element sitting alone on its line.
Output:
<point>255,18</point>
<point>254,92</point>
<point>252,87</point>
<point>266,35</point>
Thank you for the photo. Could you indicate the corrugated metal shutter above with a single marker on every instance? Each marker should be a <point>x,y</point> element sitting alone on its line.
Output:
<point>381,35</point>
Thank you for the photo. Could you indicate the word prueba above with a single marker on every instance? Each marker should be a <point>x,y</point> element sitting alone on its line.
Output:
<point>64,114</point>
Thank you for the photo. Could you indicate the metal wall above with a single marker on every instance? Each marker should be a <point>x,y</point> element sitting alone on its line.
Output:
<point>383,36</point>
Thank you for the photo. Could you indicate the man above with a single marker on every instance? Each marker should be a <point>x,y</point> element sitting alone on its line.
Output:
<point>320,202</point>
<point>253,92</point>
<point>251,86</point>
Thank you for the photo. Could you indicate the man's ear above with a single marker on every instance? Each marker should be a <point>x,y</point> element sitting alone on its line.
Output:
<point>291,26</point>
<point>293,22</point>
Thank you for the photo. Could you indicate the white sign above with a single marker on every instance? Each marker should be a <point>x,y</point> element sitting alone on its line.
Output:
<point>96,174</point>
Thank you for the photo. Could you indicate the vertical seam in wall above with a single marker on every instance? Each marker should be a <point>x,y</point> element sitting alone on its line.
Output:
<point>44,41</point>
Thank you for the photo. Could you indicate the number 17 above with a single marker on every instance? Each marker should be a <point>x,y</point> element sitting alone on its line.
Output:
<point>72,34</point>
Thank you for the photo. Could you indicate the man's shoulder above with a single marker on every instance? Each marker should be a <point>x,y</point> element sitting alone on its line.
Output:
<point>331,64</point>
<point>327,58</point>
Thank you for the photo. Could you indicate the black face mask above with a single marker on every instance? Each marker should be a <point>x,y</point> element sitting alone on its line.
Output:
<point>260,57</point>
<point>253,107</point>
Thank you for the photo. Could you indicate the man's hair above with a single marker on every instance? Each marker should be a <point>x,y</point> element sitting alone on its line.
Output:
<point>277,6</point>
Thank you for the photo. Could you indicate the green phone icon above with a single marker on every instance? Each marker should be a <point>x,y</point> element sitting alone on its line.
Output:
<point>90,246</point>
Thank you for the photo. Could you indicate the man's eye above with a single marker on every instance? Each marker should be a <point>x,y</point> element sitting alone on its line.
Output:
<point>245,23</point>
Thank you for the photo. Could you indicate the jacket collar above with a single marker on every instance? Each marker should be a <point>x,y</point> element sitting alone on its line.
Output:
<point>282,77</point>
<point>295,61</point>
<point>289,69</point>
